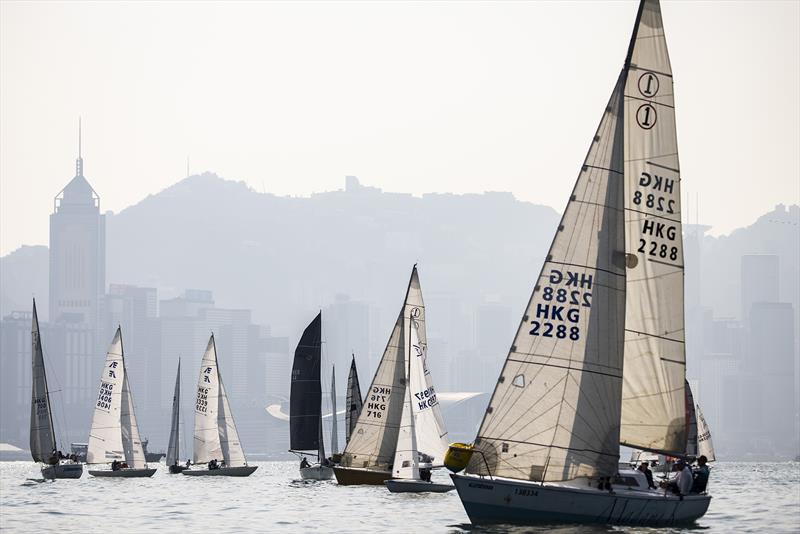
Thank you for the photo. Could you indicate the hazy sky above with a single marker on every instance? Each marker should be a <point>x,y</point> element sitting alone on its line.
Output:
<point>410,97</point>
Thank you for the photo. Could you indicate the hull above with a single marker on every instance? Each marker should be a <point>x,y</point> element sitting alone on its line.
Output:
<point>62,471</point>
<point>352,476</point>
<point>417,486</point>
<point>177,469</point>
<point>505,501</point>
<point>243,471</point>
<point>123,473</point>
<point>316,472</point>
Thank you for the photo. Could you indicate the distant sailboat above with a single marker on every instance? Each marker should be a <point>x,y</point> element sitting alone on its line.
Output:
<point>114,436</point>
<point>402,379</point>
<point>354,401</point>
<point>173,448</point>
<point>216,440</point>
<point>598,359</point>
<point>705,447</point>
<point>334,415</point>
<point>43,436</point>
<point>305,403</point>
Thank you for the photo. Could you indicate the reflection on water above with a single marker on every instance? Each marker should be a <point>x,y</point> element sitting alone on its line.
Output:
<point>748,497</point>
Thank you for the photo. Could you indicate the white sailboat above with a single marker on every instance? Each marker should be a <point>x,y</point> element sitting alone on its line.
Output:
<point>114,436</point>
<point>705,447</point>
<point>216,440</point>
<point>173,448</point>
<point>43,436</point>
<point>598,359</point>
<point>402,379</point>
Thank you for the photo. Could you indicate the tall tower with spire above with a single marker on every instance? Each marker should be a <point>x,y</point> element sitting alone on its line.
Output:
<point>77,253</point>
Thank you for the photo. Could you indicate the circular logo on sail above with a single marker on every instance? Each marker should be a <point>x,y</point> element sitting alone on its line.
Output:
<point>415,312</point>
<point>646,116</point>
<point>648,84</point>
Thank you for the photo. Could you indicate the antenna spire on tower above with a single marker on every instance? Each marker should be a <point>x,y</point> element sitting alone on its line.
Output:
<point>79,161</point>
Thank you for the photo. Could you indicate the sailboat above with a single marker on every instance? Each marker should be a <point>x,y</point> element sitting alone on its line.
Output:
<point>305,403</point>
<point>114,436</point>
<point>216,440</point>
<point>354,400</point>
<point>173,448</point>
<point>43,436</point>
<point>598,360</point>
<point>370,456</point>
<point>705,447</point>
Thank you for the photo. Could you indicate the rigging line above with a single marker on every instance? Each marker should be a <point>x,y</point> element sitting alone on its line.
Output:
<point>565,359</point>
<point>570,368</point>
<point>654,335</point>
<point>665,167</point>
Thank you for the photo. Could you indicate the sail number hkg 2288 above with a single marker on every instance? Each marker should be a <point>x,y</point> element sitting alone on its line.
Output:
<point>559,315</point>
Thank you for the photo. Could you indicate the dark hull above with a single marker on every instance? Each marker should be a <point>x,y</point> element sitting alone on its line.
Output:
<point>352,476</point>
<point>62,471</point>
<point>244,471</point>
<point>123,473</point>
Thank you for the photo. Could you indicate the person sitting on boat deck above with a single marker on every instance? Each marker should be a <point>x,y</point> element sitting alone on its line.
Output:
<point>701,474</point>
<point>304,463</point>
<point>425,474</point>
<point>124,465</point>
<point>188,462</point>
<point>325,462</point>
<point>644,467</point>
<point>115,465</point>
<point>682,483</point>
<point>213,464</point>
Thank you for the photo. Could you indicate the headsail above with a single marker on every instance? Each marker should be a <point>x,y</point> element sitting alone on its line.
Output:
<point>42,438</point>
<point>334,422</point>
<point>691,423</point>
<point>232,451</point>
<point>705,447</point>
<point>374,439</point>
<point>653,399</point>
<point>305,400</point>
<point>207,446</point>
<point>131,442</point>
<point>173,448</point>
<point>406,456</point>
<point>105,436</point>
<point>555,411</point>
<point>354,401</point>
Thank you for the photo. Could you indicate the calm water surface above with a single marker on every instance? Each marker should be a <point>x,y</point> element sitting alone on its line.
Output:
<point>748,497</point>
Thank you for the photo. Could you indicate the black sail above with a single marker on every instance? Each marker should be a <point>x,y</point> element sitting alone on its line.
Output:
<point>306,394</point>
<point>354,401</point>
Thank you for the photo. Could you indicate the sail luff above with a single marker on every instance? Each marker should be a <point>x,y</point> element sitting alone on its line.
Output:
<point>173,448</point>
<point>334,422</point>
<point>42,434</point>
<point>653,395</point>
<point>354,401</point>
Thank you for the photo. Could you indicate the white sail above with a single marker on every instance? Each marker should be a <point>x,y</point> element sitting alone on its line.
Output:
<point>207,445</point>
<point>42,437</point>
<point>173,448</point>
<point>232,451</point>
<point>406,456</point>
<point>131,442</point>
<point>374,438</point>
<point>105,436</point>
<point>653,399</point>
<point>334,423</point>
<point>705,447</point>
<point>555,411</point>
<point>431,435</point>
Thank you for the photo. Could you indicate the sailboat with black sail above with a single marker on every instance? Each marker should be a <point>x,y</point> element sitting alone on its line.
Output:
<point>114,437</point>
<point>173,448</point>
<point>305,403</point>
<point>598,359</point>
<point>43,436</point>
<point>371,454</point>
<point>354,400</point>
<point>216,440</point>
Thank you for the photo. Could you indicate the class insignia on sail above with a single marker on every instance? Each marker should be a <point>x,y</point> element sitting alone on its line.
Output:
<point>598,359</point>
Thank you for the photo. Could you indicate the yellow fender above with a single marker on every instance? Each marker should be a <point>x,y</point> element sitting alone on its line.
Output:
<point>457,456</point>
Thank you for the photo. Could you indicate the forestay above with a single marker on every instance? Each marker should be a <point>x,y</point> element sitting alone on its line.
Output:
<point>105,436</point>
<point>173,448</point>
<point>555,411</point>
<point>653,399</point>
<point>42,437</point>
<point>354,401</point>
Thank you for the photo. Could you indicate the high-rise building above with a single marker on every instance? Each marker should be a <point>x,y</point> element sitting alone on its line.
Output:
<point>77,253</point>
<point>760,280</point>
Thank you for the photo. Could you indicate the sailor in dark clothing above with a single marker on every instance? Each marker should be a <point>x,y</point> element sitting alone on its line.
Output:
<point>304,463</point>
<point>700,475</point>
<point>644,467</point>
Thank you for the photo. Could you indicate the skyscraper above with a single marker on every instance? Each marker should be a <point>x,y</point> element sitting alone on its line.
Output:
<point>77,253</point>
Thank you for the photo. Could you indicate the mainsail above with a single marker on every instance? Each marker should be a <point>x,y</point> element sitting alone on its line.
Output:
<point>704,445</point>
<point>114,434</point>
<point>334,423</point>
<point>215,434</point>
<point>374,438</point>
<point>42,438</point>
<point>305,400</point>
<point>653,399</point>
<point>555,411</point>
<point>173,448</point>
<point>354,401</point>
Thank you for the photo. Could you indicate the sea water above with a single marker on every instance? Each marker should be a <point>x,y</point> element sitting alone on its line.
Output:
<point>748,497</point>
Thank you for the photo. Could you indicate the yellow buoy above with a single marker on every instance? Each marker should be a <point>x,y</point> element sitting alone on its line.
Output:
<point>457,456</point>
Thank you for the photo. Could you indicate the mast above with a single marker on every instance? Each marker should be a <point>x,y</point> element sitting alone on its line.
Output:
<point>42,434</point>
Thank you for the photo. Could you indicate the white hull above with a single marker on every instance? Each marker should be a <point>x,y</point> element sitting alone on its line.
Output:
<point>506,501</point>
<point>243,471</point>
<point>124,473</point>
<point>417,486</point>
<point>316,472</point>
<point>62,471</point>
